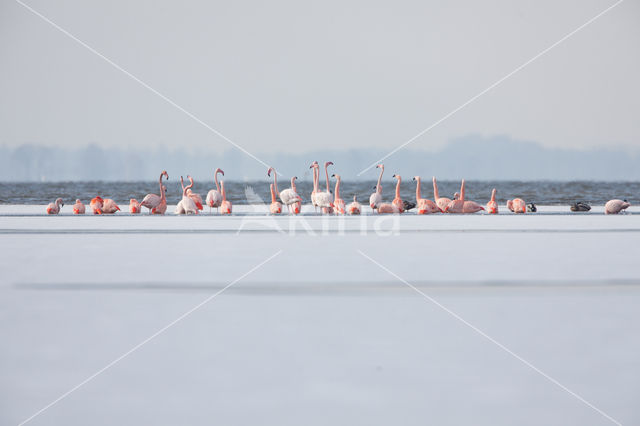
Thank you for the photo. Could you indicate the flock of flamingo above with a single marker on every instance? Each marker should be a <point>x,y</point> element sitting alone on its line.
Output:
<point>328,202</point>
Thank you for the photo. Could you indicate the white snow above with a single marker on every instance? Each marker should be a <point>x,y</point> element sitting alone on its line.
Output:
<point>320,334</point>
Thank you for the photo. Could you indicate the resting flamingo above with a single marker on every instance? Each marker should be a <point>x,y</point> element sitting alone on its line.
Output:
<point>186,205</point>
<point>134,206</point>
<point>616,206</point>
<point>276,206</point>
<point>376,198</point>
<point>517,205</point>
<point>54,208</point>
<point>442,202</point>
<point>161,208</point>
<point>425,206</point>
<point>78,207</point>
<point>325,198</point>
<point>354,207</point>
<point>96,205</point>
<point>109,206</point>
<point>225,206</point>
<point>152,200</point>
<point>337,201</point>
<point>460,205</point>
<point>214,197</point>
<point>492,205</point>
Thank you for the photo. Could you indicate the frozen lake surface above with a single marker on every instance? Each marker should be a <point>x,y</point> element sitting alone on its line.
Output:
<point>372,320</point>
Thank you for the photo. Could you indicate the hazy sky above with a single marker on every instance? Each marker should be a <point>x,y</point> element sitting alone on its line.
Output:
<point>298,76</point>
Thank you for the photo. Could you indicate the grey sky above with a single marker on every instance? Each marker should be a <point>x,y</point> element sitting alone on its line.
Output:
<point>299,76</point>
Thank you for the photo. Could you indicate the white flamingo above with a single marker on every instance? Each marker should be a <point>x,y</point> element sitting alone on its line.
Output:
<point>214,197</point>
<point>152,201</point>
<point>376,198</point>
<point>186,205</point>
<point>288,196</point>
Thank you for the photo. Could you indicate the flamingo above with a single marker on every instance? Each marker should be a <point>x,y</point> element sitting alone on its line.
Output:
<point>152,200</point>
<point>376,198</point>
<point>442,202</point>
<point>297,206</point>
<point>398,201</point>
<point>54,208</point>
<point>425,206</point>
<point>354,207</point>
<point>614,206</point>
<point>109,206</point>
<point>226,205</point>
<point>197,199</point>
<point>325,198</point>
<point>96,205</point>
<point>214,197</point>
<point>276,206</point>
<point>459,205</point>
<point>492,206</point>
<point>161,208</point>
<point>78,207</point>
<point>186,205</point>
<point>517,205</point>
<point>338,202</point>
<point>288,196</point>
<point>316,176</point>
<point>134,206</point>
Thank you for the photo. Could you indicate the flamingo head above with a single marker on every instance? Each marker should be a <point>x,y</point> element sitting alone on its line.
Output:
<point>456,196</point>
<point>328,163</point>
<point>269,171</point>
<point>165,174</point>
<point>416,178</point>
<point>219,170</point>
<point>397,177</point>
<point>380,166</point>
<point>78,201</point>
<point>59,201</point>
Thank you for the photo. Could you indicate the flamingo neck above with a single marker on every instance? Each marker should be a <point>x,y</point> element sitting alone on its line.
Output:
<point>337,188</point>
<point>493,195</point>
<point>462,190</point>
<point>215,178</point>
<point>316,178</point>
<point>273,194</point>
<point>224,194</point>
<point>418,197</point>
<point>275,180</point>
<point>326,172</point>
<point>435,189</point>
<point>293,184</point>
<point>379,187</point>
<point>398,187</point>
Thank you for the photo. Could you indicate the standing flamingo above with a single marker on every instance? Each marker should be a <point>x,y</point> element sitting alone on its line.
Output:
<point>186,205</point>
<point>134,206</point>
<point>297,206</point>
<point>616,206</point>
<point>376,198</point>
<point>442,202</point>
<point>354,207</point>
<point>197,199</point>
<point>397,201</point>
<point>109,206</point>
<point>314,192</point>
<point>214,197</point>
<point>226,205</point>
<point>54,208</point>
<point>492,205</point>
<point>517,205</point>
<point>78,207</point>
<point>152,200</point>
<point>96,205</point>
<point>288,196</point>
<point>161,208</point>
<point>425,206</point>
<point>276,206</point>
<point>337,201</point>
<point>325,198</point>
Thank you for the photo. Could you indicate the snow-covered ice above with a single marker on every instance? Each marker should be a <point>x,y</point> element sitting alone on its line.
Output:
<point>320,334</point>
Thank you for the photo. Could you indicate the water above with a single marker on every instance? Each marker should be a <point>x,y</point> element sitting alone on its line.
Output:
<point>539,192</point>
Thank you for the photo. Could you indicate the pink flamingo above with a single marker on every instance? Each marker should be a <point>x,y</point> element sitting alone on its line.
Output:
<point>186,205</point>
<point>616,206</point>
<point>517,205</point>
<point>459,205</point>
<point>297,206</point>
<point>276,206</point>
<point>134,206</point>
<point>288,196</point>
<point>214,197</point>
<point>109,206</point>
<point>337,201</point>
<point>376,198</point>
<point>397,201</point>
<point>325,198</point>
<point>492,205</point>
<point>151,201</point>
<point>161,208</point>
<point>425,206</point>
<point>316,176</point>
<point>197,199</point>
<point>54,208</point>
<point>96,205</point>
<point>442,202</point>
<point>78,207</point>
<point>226,205</point>
<point>354,207</point>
